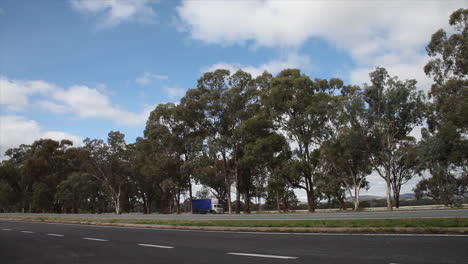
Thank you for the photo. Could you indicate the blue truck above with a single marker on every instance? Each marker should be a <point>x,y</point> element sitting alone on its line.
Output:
<point>204,206</point>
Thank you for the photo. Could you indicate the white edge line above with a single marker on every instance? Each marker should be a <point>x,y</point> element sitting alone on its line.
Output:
<point>95,239</point>
<point>56,235</point>
<point>155,246</point>
<point>27,232</point>
<point>260,255</point>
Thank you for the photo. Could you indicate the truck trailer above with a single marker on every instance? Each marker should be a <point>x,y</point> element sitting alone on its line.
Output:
<point>204,206</point>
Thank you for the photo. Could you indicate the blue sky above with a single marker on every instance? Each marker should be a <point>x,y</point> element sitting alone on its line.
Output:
<point>81,68</point>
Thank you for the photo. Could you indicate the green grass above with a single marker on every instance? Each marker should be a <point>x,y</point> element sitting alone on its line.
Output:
<point>357,223</point>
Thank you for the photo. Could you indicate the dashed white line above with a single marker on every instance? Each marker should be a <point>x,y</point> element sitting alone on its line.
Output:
<point>6,229</point>
<point>261,255</point>
<point>155,246</point>
<point>95,239</point>
<point>55,235</point>
<point>27,232</point>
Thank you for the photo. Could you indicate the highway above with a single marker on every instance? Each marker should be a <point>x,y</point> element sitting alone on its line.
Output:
<point>25,242</point>
<point>292,216</point>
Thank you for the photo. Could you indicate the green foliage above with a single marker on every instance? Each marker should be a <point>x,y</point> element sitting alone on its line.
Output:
<point>443,149</point>
<point>266,136</point>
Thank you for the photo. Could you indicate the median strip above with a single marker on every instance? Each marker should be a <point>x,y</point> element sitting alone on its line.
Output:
<point>95,239</point>
<point>261,255</point>
<point>457,226</point>
<point>155,246</point>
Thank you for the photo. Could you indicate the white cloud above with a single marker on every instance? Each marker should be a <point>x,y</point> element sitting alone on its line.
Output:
<point>408,70</point>
<point>14,93</point>
<point>16,130</point>
<point>87,102</point>
<point>374,33</point>
<point>364,27</point>
<point>147,77</point>
<point>293,60</point>
<point>114,12</point>
<point>53,107</point>
<point>174,92</point>
<point>79,100</point>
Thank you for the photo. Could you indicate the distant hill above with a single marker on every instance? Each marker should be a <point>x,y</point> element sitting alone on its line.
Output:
<point>407,196</point>
<point>404,196</point>
<point>366,198</point>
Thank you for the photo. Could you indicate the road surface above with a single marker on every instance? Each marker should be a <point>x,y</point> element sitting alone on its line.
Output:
<point>303,216</point>
<point>23,242</point>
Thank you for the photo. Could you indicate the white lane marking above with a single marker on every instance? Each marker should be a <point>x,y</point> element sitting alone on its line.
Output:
<point>260,255</point>
<point>155,246</point>
<point>56,235</point>
<point>27,232</point>
<point>95,239</point>
<point>6,229</point>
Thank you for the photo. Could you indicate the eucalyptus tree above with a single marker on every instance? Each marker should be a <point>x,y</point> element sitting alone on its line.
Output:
<point>445,141</point>
<point>394,109</point>
<point>145,172</point>
<point>165,132</point>
<point>303,110</point>
<point>407,164</point>
<point>108,163</point>
<point>278,187</point>
<point>209,172</point>
<point>193,130</point>
<point>346,157</point>
<point>46,166</point>
<point>16,185</point>
<point>209,98</point>
<point>261,147</point>
<point>228,101</point>
<point>80,192</point>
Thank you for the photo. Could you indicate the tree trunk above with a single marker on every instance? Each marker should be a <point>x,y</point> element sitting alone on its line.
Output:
<point>356,198</point>
<point>228,190</point>
<point>190,194</point>
<point>117,205</point>
<point>389,193</point>
<point>259,206</point>
<point>145,203</point>
<point>278,202</point>
<point>341,202</point>
<point>247,201</point>
<point>396,195</point>
<point>177,200</point>
<point>311,200</point>
<point>285,202</point>
<point>236,173</point>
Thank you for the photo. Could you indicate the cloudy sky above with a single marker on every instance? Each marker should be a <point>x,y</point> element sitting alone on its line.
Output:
<point>80,68</point>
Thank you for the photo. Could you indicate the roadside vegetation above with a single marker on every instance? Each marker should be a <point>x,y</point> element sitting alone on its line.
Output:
<point>234,132</point>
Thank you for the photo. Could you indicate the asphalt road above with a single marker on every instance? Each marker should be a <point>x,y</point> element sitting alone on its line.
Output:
<point>303,216</point>
<point>24,242</point>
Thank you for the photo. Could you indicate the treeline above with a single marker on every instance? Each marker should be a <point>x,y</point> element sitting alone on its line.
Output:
<point>264,137</point>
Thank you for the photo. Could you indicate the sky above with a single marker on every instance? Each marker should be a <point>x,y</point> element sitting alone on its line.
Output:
<point>81,68</point>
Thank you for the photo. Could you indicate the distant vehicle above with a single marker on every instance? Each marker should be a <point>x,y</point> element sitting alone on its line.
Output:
<point>204,206</point>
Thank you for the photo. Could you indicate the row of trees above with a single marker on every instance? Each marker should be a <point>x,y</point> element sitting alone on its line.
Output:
<point>265,137</point>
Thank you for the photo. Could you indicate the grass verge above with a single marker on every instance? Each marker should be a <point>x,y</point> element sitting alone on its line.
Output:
<point>415,225</point>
